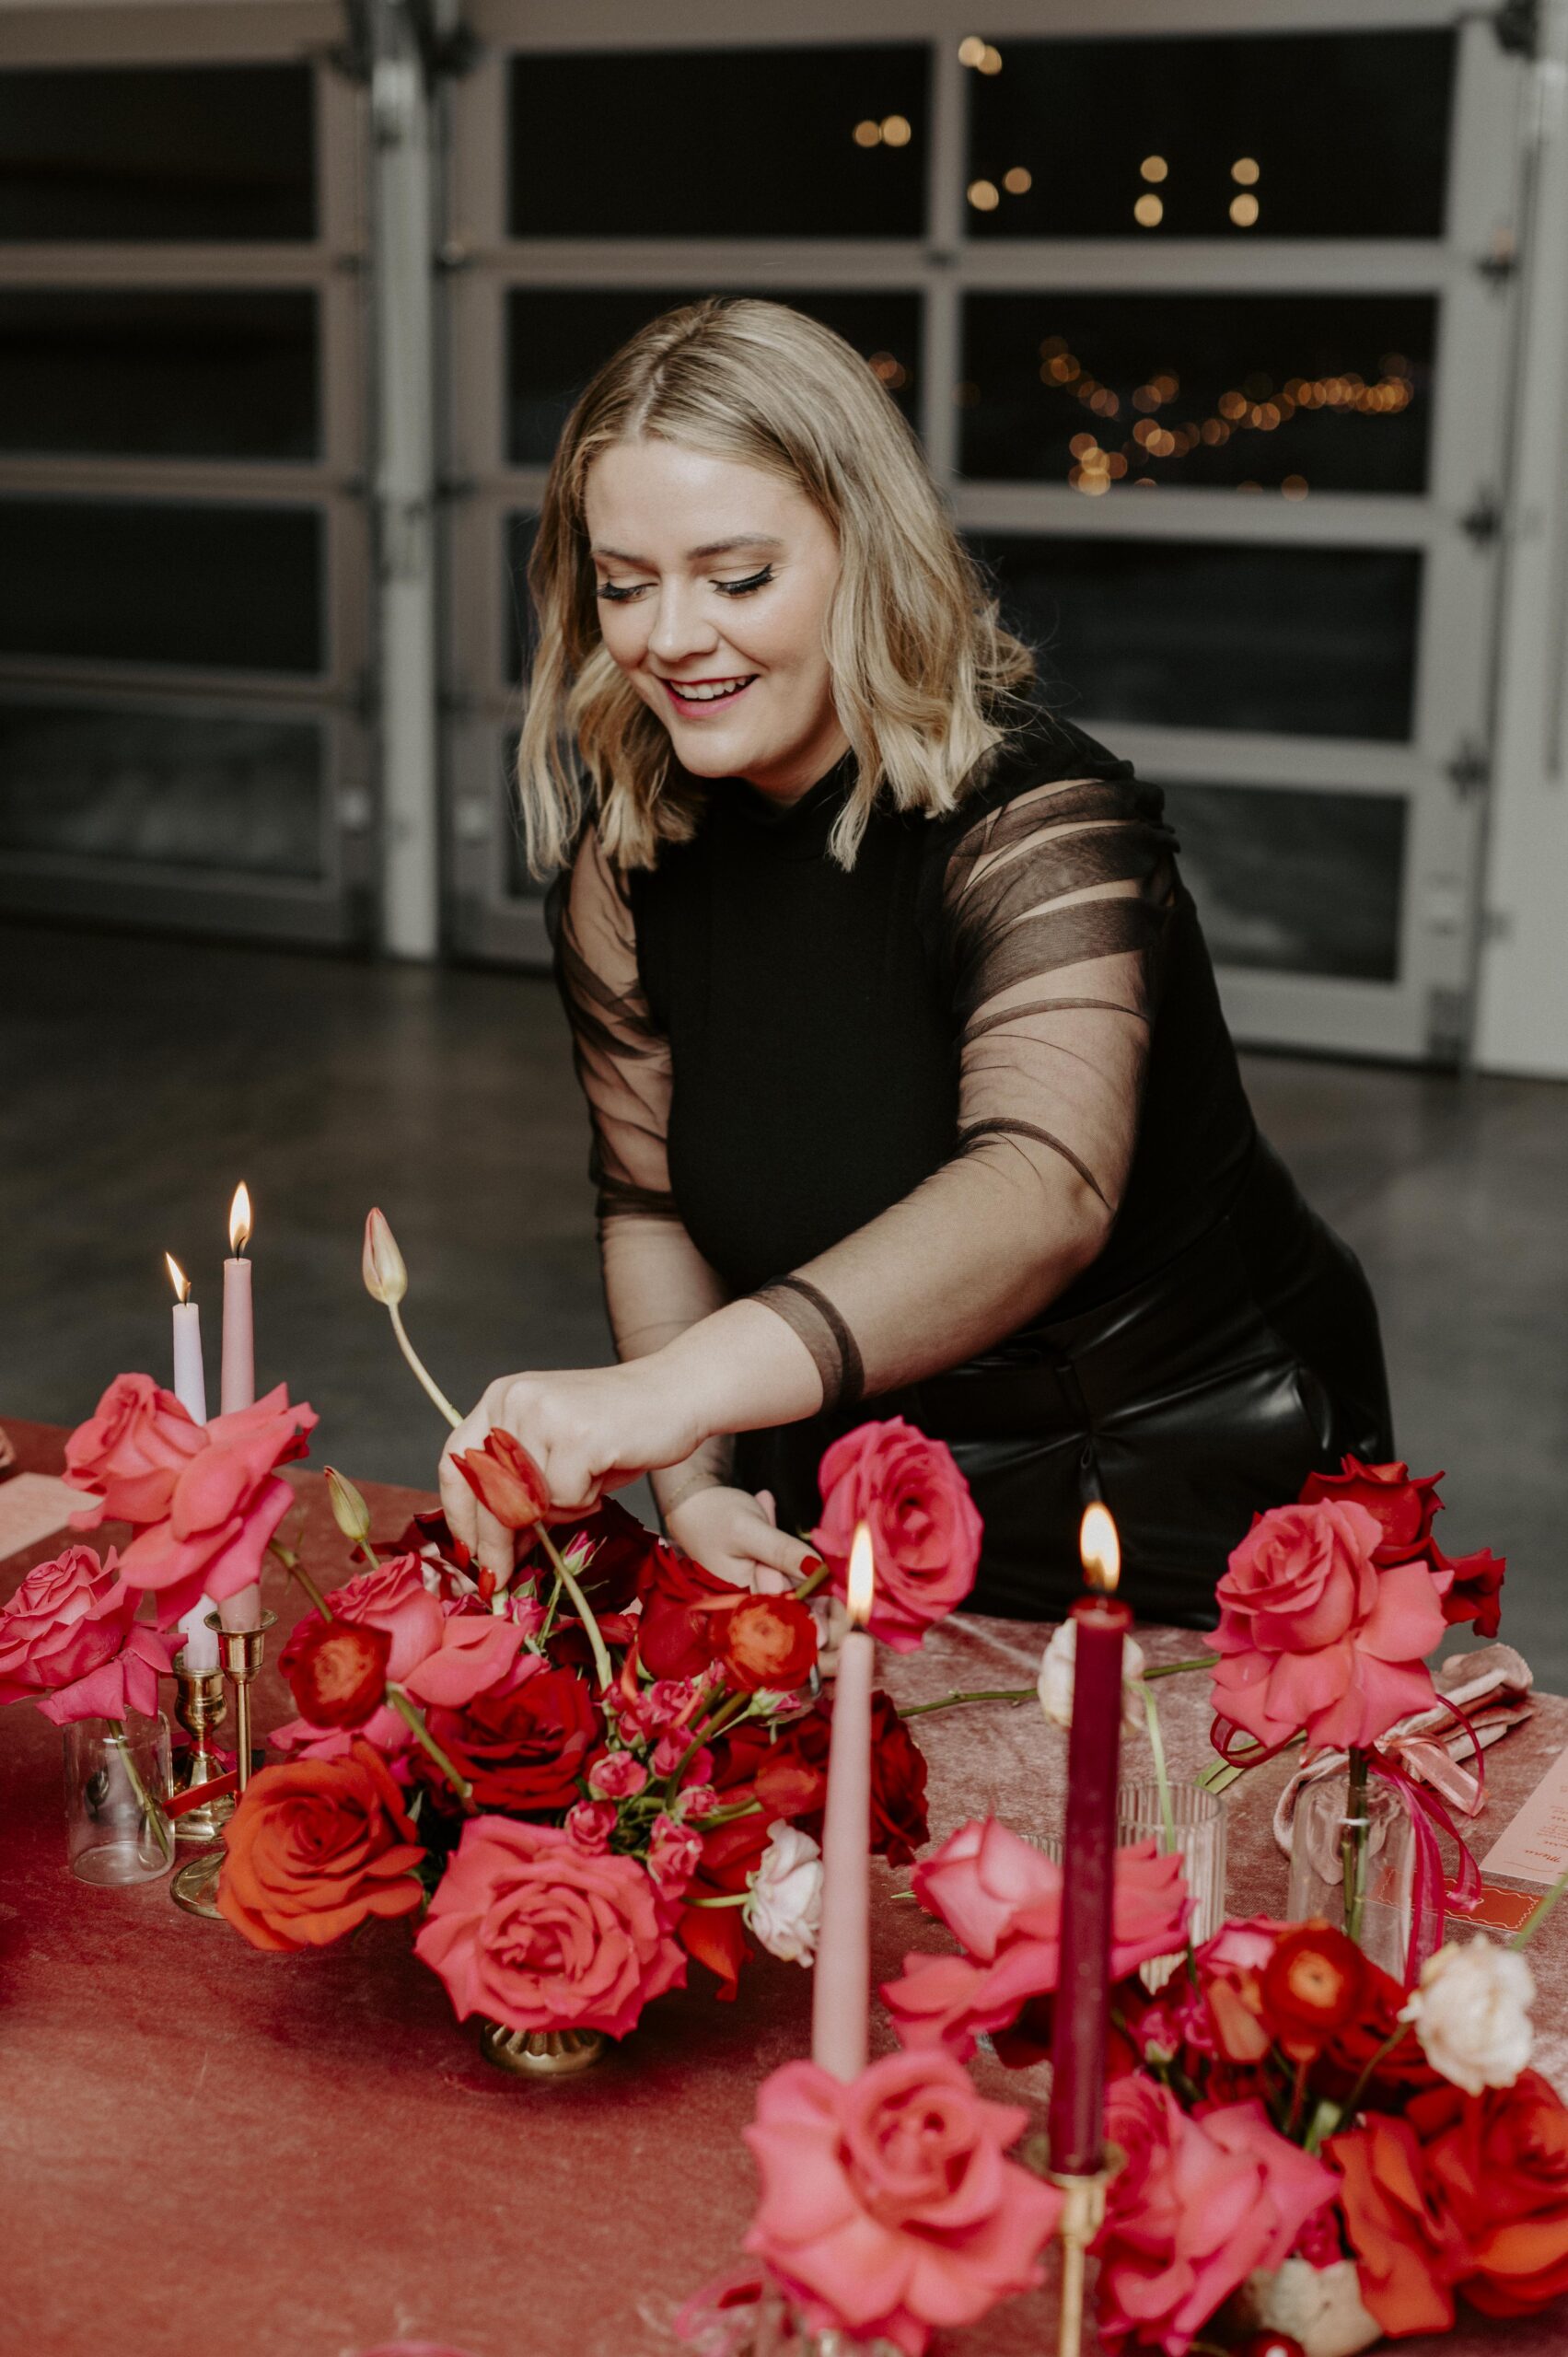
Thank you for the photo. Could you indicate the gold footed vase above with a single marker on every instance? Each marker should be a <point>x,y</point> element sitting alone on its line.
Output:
<point>542,2053</point>
<point>240,1651</point>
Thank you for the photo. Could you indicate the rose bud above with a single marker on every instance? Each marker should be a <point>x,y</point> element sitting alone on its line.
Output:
<point>381,1265</point>
<point>504,1478</point>
<point>349,1510</point>
<point>1311,1986</point>
<point>337,1671</point>
<point>768,1641</point>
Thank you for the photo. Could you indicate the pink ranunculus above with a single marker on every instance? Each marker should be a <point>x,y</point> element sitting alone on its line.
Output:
<point>925,1533</point>
<point>1196,2206</point>
<point>889,2208</point>
<point>130,1452</point>
<point>532,1930</point>
<point>70,1642</point>
<point>1316,1639</point>
<point>1002,1898</point>
<point>223,1509</point>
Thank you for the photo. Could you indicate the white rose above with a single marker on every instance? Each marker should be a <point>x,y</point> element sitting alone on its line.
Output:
<point>1056,1670</point>
<point>785,1906</point>
<point>1471,2013</point>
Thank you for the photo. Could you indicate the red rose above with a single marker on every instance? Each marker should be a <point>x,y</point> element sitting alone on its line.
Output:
<point>769,1642</point>
<point>925,1533</point>
<point>130,1452</point>
<point>616,1547</point>
<point>1408,2248</point>
<point>315,1848</point>
<point>677,1637</point>
<point>1312,1986</point>
<point>523,1745</point>
<point>791,1776</point>
<point>1473,1588</point>
<point>504,1479</point>
<point>1373,2049</point>
<point>1404,1506</point>
<point>336,1670</point>
<point>1498,2162</point>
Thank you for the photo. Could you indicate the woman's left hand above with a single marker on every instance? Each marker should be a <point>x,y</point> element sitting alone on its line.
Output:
<point>588,1430</point>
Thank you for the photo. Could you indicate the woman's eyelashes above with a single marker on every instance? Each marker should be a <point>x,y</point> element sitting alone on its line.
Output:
<point>618,593</point>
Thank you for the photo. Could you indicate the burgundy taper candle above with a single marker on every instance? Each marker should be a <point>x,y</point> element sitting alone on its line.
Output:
<point>1077,2120</point>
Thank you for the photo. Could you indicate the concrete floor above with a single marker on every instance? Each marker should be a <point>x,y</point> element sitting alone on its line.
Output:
<point>139,1079</point>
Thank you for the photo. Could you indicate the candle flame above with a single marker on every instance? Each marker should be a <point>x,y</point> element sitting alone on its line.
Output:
<point>1100,1548</point>
<point>862,1583</point>
<point>177,1278</point>
<point>239,1219</point>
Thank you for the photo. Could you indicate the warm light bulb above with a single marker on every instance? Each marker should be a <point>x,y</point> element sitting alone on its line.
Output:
<point>239,1219</point>
<point>1100,1548</point>
<point>1148,213</point>
<point>177,1278</point>
<point>862,1583</point>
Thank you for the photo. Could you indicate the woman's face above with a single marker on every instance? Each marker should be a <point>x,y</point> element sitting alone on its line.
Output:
<point>714,582</point>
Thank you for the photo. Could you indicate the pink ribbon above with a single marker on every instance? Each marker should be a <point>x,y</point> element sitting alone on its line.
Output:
<point>1431,1893</point>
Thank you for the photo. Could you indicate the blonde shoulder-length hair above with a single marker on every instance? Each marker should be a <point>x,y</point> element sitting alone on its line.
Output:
<point>923,675</point>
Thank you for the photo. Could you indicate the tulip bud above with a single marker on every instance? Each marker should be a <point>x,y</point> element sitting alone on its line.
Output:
<point>349,1510</point>
<point>381,1265</point>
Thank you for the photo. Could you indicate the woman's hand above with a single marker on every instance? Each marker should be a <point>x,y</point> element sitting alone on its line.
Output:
<point>588,1430</point>
<point>734,1535</point>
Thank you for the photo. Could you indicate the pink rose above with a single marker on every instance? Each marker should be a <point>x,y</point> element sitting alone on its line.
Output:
<point>617,1776</point>
<point>531,1929</point>
<point>130,1452</point>
<point>1002,1898</point>
<point>70,1642</point>
<point>925,1532</point>
<point>1197,2205</point>
<point>223,1508</point>
<point>888,2208</point>
<point>674,1852</point>
<point>476,1650</point>
<point>590,1825</point>
<point>1317,1638</point>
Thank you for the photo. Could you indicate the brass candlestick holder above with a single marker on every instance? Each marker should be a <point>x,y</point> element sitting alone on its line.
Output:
<point>241,1650</point>
<point>201,1707</point>
<point>1082,2214</point>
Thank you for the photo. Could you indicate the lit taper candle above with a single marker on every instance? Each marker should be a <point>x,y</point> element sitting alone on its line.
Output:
<point>237,1387</point>
<point>200,1647</point>
<point>841,1993</point>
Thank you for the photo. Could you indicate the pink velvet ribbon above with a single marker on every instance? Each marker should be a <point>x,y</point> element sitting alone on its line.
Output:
<point>1432,1894</point>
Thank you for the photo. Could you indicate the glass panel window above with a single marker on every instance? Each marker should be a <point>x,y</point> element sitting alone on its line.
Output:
<point>516,602</point>
<point>159,372</point>
<point>731,143</point>
<point>1294,881</point>
<point>1293,394</point>
<point>190,153</point>
<point>237,587</point>
<point>558,336</point>
<point>1224,135</point>
<point>1312,642</point>
<point>226,791</point>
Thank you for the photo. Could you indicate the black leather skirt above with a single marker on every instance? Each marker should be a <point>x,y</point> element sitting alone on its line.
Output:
<point>1188,1404</point>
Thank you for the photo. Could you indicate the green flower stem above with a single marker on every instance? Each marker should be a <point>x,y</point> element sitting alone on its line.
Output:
<point>414,1719</point>
<point>818,1578</point>
<point>733,1898</point>
<point>600,1651</point>
<point>296,1570</point>
<point>1533,1921</point>
<point>1162,1778</point>
<point>727,1715</point>
<point>432,1389</point>
<point>150,1809</point>
<point>1352,2104</point>
<point>1014,1694</point>
<point>1175,1669</point>
<point>728,1816</point>
<point>1352,1843</point>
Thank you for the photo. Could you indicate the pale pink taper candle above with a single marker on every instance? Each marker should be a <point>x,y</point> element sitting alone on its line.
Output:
<point>842,1991</point>
<point>200,1643</point>
<point>237,1387</point>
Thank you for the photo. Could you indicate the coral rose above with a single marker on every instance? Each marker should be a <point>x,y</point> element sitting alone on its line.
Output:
<point>1410,2249</point>
<point>1196,2206</point>
<point>925,1533</point>
<point>888,2207</point>
<point>768,1642</point>
<point>70,1642</point>
<point>223,1508</point>
<point>522,1744</point>
<point>130,1452</point>
<point>1499,2163</point>
<point>314,1848</point>
<point>1315,1639</point>
<point>532,1930</point>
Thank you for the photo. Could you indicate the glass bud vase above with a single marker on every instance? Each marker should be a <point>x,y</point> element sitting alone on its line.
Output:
<point>117,1774</point>
<point>1352,1864</point>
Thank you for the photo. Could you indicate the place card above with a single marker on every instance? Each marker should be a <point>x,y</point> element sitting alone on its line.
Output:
<point>1533,1845</point>
<point>33,1507</point>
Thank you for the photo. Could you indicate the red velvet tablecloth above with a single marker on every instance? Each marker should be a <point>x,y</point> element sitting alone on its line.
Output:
<point>206,2147</point>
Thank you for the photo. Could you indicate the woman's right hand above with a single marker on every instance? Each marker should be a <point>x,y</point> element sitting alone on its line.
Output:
<point>734,1535</point>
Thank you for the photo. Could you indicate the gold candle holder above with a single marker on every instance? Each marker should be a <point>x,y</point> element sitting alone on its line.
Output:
<point>1082,2214</point>
<point>200,1709</point>
<point>241,1651</point>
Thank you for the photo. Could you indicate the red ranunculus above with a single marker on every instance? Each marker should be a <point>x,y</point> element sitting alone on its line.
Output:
<point>768,1642</point>
<point>504,1479</point>
<point>532,1930</point>
<point>1313,1985</point>
<point>130,1452</point>
<point>315,1848</point>
<point>223,1508</point>
<point>70,1642</point>
<point>336,1670</point>
<point>523,1744</point>
<point>925,1533</point>
<point>1499,2163</point>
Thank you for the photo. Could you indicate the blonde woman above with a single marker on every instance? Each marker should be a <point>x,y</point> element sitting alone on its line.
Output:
<point>909,1089</point>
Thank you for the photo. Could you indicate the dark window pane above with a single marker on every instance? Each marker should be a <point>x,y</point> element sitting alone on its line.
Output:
<point>733,143</point>
<point>1292,880</point>
<point>1308,392</point>
<point>556,338</point>
<point>201,153</point>
<point>154,373</point>
<point>1222,135</point>
<point>516,603</point>
<point>1200,635</point>
<point>139,581</point>
<point>178,789</point>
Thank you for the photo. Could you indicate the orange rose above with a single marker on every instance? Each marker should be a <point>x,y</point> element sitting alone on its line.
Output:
<point>1410,2250</point>
<point>1500,2161</point>
<point>314,1848</point>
